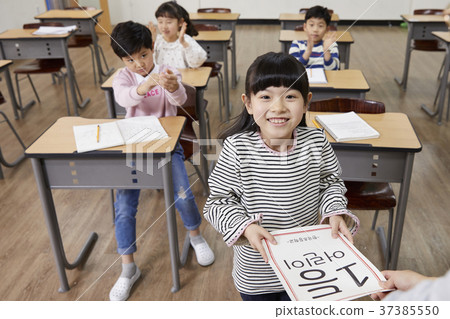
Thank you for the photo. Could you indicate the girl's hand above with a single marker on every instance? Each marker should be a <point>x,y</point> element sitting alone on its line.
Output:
<point>328,40</point>
<point>182,33</point>
<point>338,224</point>
<point>255,234</point>
<point>152,29</point>
<point>169,81</point>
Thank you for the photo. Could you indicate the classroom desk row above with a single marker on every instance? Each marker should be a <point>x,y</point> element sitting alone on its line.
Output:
<point>56,164</point>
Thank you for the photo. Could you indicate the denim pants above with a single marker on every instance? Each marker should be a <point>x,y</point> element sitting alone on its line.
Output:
<point>127,201</point>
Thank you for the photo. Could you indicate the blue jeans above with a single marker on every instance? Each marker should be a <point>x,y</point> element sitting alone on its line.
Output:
<point>127,201</point>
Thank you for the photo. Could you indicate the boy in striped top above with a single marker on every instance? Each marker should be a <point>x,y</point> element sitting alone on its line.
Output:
<point>320,49</point>
<point>273,173</point>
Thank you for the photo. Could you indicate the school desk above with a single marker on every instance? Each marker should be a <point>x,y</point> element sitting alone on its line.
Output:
<point>215,44</point>
<point>85,20</point>
<point>341,83</point>
<point>225,21</point>
<point>56,164</point>
<point>420,27</point>
<point>445,38</point>
<point>198,78</point>
<point>388,158</point>
<point>4,68</point>
<point>19,44</point>
<point>290,20</point>
<point>343,39</point>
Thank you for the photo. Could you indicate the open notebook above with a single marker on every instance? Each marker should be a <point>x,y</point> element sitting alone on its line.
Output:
<point>127,131</point>
<point>347,127</point>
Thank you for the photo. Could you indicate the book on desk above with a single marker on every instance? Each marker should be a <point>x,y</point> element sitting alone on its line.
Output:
<point>316,75</point>
<point>346,127</point>
<point>127,131</point>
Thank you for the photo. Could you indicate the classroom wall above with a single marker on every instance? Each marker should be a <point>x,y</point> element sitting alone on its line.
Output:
<point>14,13</point>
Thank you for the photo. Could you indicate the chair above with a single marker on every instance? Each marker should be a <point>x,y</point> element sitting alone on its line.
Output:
<point>85,40</point>
<point>304,10</point>
<point>216,67</point>
<point>43,66</point>
<point>19,159</point>
<point>188,139</point>
<point>364,195</point>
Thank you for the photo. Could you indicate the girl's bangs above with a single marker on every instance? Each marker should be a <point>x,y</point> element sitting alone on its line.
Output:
<point>277,79</point>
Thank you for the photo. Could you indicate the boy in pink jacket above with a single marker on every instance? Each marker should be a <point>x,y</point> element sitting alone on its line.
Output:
<point>145,88</point>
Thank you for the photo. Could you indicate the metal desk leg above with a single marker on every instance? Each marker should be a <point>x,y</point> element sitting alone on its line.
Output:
<point>226,88</point>
<point>234,77</point>
<point>171,223</point>
<point>71,77</point>
<point>53,228</point>
<point>100,71</point>
<point>401,210</point>
<point>109,95</point>
<point>200,105</point>
<point>442,90</point>
<point>347,57</point>
<point>404,79</point>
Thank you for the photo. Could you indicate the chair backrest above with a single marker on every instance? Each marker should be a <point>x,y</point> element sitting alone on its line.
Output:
<point>36,25</point>
<point>206,27</point>
<point>80,8</point>
<point>347,105</point>
<point>428,45</point>
<point>214,10</point>
<point>300,27</point>
<point>304,10</point>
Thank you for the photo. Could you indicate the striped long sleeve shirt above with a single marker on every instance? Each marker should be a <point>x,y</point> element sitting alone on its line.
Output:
<point>254,184</point>
<point>316,59</point>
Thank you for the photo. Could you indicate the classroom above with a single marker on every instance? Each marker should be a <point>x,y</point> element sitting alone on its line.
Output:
<point>379,62</point>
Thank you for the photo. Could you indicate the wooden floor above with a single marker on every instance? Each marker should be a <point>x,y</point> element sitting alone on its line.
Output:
<point>27,269</point>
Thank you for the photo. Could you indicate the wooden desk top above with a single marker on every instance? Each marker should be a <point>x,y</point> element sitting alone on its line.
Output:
<point>196,77</point>
<point>442,35</point>
<point>291,35</point>
<point>219,36</point>
<point>4,63</point>
<point>28,34</point>
<point>301,17</point>
<point>344,80</point>
<point>69,14</point>
<point>423,18</point>
<point>395,131</point>
<point>59,139</point>
<point>214,16</point>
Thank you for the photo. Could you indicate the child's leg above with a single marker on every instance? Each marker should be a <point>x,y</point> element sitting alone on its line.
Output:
<point>126,204</point>
<point>187,207</point>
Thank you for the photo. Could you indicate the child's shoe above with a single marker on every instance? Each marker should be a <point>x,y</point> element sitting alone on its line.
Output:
<point>204,254</point>
<point>121,289</point>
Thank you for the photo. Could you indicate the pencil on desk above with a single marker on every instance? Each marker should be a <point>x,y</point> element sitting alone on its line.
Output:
<point>98,133</point>
<point>315,123</point>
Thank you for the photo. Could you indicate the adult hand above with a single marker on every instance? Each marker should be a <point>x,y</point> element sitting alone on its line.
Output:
<point>398,279</point>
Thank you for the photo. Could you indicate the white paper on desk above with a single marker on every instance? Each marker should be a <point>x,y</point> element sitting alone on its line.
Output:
<point>86,136</point>
<point>316,75</point>
<point>312,265</point>
<point>141,129</point>
<point>44,30</point>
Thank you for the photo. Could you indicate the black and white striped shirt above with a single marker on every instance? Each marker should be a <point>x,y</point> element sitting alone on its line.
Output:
<point>252,183</point>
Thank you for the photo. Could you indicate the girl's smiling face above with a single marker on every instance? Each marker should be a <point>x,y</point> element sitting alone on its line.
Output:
<point>277,111</point>
<point>168,27</point>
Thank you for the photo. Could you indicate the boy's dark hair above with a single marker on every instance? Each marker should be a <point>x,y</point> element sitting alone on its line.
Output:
<point>129,37</point>
<point>270,69</point>
<point>171,9</point>
<point>318,12</point>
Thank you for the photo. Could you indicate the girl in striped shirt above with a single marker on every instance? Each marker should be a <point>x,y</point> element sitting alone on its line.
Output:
<point>273,173</point>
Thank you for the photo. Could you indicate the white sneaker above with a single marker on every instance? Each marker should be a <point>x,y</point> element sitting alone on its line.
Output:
<point>121,289</point>
<point>204,254</point>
